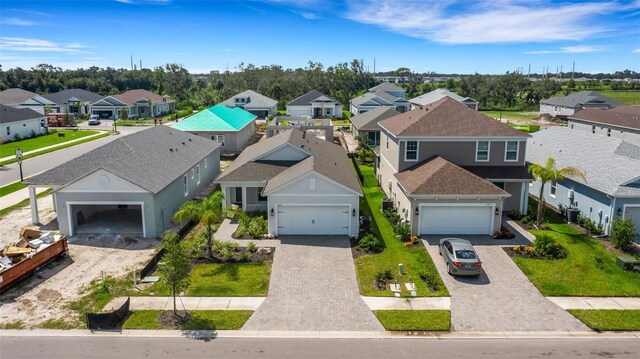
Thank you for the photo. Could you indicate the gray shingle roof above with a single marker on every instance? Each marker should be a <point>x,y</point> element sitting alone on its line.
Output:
<point>151,159</point>
<point>12,114</point>
<point>386,87</point>
<point>256,100</point>
<point>436,95</point>
<point>368,121</point>
<point>608,162</point>
<point>14,96</point>
<point>61,97</point>
<point>582,99</point>
<point>306,99</point>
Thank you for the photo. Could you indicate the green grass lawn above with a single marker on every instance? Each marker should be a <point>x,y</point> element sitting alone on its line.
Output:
<point>223,280</point>
<point>340,123</point>
<point>5,190</point>
<point>423,320</point>
<point>30,144</point>
<point>579,273</point>
<point>346,114</point>
<point>129,123</point>
<point>201,320</point>
<point>415,259</point>
<point>627,96</point>
<point>515,115</point>
<point>608,319</point>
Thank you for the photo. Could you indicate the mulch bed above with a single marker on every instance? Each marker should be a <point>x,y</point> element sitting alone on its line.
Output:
<point>522,254</point>
<point>170,320</point>
<point>606,241</point>
<point>260,255</point>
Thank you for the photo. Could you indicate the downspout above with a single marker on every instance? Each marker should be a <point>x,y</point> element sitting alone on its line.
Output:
<point>613,206</point>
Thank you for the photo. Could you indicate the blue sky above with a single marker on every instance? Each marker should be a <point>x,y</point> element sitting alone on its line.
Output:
<point>446,36</point>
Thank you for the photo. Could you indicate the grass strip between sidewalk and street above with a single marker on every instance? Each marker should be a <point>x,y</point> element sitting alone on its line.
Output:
<point>49,150</point>
<point>10,188</point>
<point>200,320</point>
<point>25,202</point>
<point>608,319</point>
<point>421,320</point>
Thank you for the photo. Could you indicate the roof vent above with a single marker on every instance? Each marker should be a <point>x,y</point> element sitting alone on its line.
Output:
<point>183,143</point>
<point>190,140</point>
<point>301,146</point>
<point>171,150</point>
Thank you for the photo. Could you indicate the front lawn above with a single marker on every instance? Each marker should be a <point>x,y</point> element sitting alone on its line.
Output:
<point>30,144</point>
<point>513,115</point>
<point>415,259</point>
<point>608,319</point>
<point>423,320</point>
<point>589,269</point>
<point>340,123</point>
<point>223,280</point>
<point>201,320</point>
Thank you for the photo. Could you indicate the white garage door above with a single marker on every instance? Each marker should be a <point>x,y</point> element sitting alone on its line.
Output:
<point>634,213</point>
<point>313,220</point>
<point>445,219</point>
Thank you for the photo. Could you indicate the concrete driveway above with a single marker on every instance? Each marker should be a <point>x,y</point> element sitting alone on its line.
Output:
<point>313,287</point>
<point>501,299</point>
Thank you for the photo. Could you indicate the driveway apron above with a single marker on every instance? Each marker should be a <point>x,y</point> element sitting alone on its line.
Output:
<point>501,299</point>
<point>313,287</point>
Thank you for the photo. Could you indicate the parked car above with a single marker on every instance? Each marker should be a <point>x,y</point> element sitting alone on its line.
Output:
<point>460,257</point>
<point>93,120</point>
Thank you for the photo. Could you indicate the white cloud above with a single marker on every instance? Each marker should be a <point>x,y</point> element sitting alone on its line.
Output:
<point>37,45</point>
<point>485,21</point>
<point>16,22</point>
<point>306,14</point>
<point>151,2</point>
<point>578,49</point>
<point>636,51</point>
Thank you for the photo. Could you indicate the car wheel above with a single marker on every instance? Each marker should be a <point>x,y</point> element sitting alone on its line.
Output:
<point>440,251</point>
<point>449,269</point>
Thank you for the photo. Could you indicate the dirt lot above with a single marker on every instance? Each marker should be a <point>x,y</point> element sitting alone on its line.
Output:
<point>10,224</point>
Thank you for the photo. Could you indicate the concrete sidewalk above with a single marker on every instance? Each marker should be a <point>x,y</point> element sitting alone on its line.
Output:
<point>17,197</point>
<point>392,303</point>
<point>621,303</point>
<point>53,146</point>
<point>188,303</point>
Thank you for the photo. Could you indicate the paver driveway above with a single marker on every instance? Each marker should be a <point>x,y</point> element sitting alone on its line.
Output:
<point>501,299</point>
<point>313,287</point>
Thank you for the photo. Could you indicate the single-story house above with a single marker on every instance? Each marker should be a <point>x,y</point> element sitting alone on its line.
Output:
<point>368,123</point>
<point>315,104</point>
<point>138,103</point>
<point>568,105</point>
<point>20,121</point>
<point>621,122</point>
<point>306,185</point>
<point>435,95</point>
<point>74,101</point>
<point>384,95</point>
<point>303,123</point>
<point>612,168</point>
<point>132,185</point>
<point>253,102</point>
<point>231,127</point>
<point>19,98</point>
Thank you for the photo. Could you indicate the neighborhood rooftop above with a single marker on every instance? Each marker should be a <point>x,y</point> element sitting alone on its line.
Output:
<point>368,121</point>
<point>438,94</point>
<point>309,97</point>
<point>12,114</point>
<point>387,87</point>
<point>582,98</point>
<point>63,96</point>
<point>131,97</point>
<point>14,96</point>
<point>217,118</point>
<point>254,100</point>
<point>623,116</point>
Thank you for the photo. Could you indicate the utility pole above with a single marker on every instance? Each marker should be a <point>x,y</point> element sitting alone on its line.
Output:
<point>374,67</point>
<point>560,71</point>
<point>529,73</point>
<point>131,62</point>
<point>573,69</point>
<point>140,64</point>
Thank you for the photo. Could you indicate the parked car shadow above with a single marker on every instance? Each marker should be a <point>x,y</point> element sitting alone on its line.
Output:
<point>482,279</point>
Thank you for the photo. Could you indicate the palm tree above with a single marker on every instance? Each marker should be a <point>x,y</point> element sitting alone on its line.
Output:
<point>208,212</point>
<point>547,173</point>
<point>364,151</point>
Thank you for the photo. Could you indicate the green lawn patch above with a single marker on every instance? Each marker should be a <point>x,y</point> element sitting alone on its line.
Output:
<point>30,144</point>
<point>515,115</point>
<point>423,320</point>
<point>223,280</point>
<point>340,123</point>
<point>346,115</point>
<point>201,320</point>
<point>415,259</point>
<point>629,97</point>
<point>608,319</point>
<point>129,123</point>
<point>525,128</point>
<point>16,186</point>
<point>49,150</point>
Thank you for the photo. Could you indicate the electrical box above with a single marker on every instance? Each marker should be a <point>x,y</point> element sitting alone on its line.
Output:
<point>628,263</point>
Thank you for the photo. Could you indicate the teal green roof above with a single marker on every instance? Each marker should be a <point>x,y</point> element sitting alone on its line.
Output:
<point>216,118</point>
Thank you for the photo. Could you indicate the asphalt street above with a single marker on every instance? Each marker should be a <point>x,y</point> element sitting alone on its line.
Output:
<point>232,348</point>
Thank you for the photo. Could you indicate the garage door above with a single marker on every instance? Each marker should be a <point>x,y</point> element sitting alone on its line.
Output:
<point>313,220</point>
<point>634,213</point>
<point>445,219</point>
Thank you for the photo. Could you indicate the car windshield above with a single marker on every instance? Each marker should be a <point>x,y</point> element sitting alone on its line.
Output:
<point>465,254</point>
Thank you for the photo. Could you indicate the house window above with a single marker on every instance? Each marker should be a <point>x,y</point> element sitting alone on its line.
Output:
<point>411,151</point>
<point>261,198</point>
<point>511,151</point>
<point>8,131</point>
<point>185,183</point>
<point>482,151</point>
<point>552,189</point>
<point>197,174</point>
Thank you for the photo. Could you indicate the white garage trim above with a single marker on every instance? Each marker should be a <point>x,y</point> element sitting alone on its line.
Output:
<point>312,205</point>
<point>492,206</point>
<point>98,203</point>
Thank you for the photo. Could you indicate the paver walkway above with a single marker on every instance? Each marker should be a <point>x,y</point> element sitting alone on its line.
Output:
<point>226,229</point>
<point>188,303</point>
<point>313,287</point>
<point>624,303</point>
<point>501,299</point>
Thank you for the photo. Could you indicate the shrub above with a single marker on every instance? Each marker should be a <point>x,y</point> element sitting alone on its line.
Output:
<point>393,217</point>
<point>431,280</point>
<point>371,243</point>
<point>622,233</point>
<point>33,134</point>
<point>503,233</point>
<point>252,247</point>
<point>227,254</point>
<point>257,227</point>
<point>547,247</point>
<point>245,256</point>
<point>403,232</point>
<point>589,224</point>
<point>17,137</point>
<point>516,214</point>
<point>382,278</point>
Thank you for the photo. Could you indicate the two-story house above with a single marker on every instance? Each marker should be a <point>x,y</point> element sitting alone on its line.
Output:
<point>384,95</point>
<point>452,170</point>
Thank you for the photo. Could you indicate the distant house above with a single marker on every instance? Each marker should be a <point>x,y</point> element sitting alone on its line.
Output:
<point>384,95</point>
<point>435,95</point>
<point>568,105</point>
<point>20,121</point>
<point>137,103</point>
<point>367,123</point>
<point>232,127</point>
<point>132,185</point>
<point>281,124</point>
<point>621,122</point>
<point>74,101</point>
<point>253,102</point>
<point>612,168</point>
<point>315,104</point>
<point>19,98</point>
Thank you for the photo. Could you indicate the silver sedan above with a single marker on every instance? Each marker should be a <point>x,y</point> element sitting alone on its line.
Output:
<point>460,257</point>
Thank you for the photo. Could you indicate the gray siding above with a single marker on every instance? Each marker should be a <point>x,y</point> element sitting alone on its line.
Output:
<point>515,201</point>
<point>233,141</point>
<point>611,131</point>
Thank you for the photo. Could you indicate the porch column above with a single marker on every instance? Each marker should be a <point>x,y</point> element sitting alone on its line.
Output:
<point>244,198</point>
<point>524,203</point>
<point>225,196</point>
<point>33,202</point>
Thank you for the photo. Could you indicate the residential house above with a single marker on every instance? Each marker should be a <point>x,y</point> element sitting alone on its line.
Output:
<point>20,121</point>
<point>612,168</point>
<point>74,101</point>
<point>132,185</point>
<point>568,105</point>
<point>621,122</point>
<point>435,95</point>
<point>452,170</point>
<point>306,185</point>
<point>19,98</point>
<point>137,103</point>
<point>314,104</point>
<point>231,127</point>
<point>367,123</point>
<point>320,128</point>
<point>253,102</point>
<point>384,95</point>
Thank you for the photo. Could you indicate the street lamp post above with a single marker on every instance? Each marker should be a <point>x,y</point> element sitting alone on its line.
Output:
<point>19,158</point>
